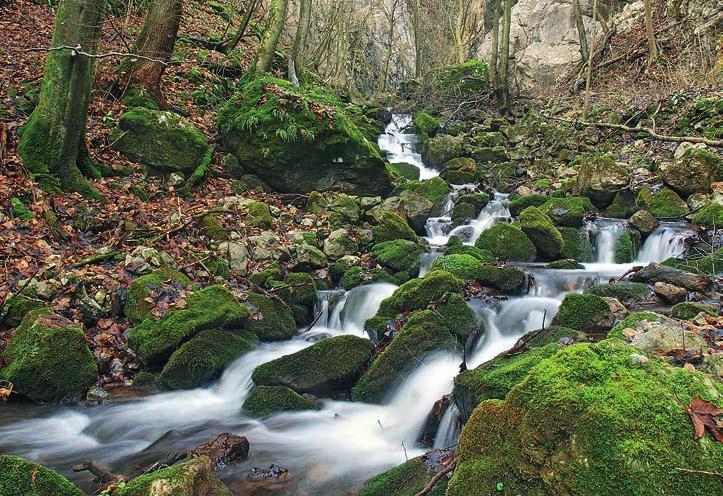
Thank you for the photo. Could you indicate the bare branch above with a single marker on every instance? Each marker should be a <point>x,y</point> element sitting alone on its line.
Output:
<point>78,50</point>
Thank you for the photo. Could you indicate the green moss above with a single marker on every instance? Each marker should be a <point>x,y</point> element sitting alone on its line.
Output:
<point>630,321</point>
<point>17,306</point>
<point>482,255</point>
<point>404,171</point>
<point>462,213</point>
<point>569,211</point>
<point>135,97</point>
<point>213,228</point>
<point>269,400</point>
<point>460,170</point>
<point>391,227</point>
<point>461,80</point>
<point>425,125</point>
<point>624,249</point>
<point>398,255</point>
<point>518,204</point>
<point>663,204</point>
<point>708,265</point>
<point>507,242</point>
<point>20,477</point>
<point>465,267</point>
<point>143,380</point>
<point>48,358</point>
<point>626,292</point>
<point>423,334</point>
<point>214,307</point>
<point>584,312</point>
<point>539,229</point>
<point>264,277</point>
<point>623,205</point>
<point>204,357</point>
<point>567,264</point>
<point>417,294</point>
<point>302,289</point>
<point>270,319</point>
<point>259,215</point>
<point>710,216</point>
<point>689,310</point>
<point>405,480</point>
<point>20,211</point>
<point>137,308</point>
<point>192,477</point>
<point>590,421</point>
<point>325,367</point>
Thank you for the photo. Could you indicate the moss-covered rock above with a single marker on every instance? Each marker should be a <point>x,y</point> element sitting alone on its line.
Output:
<point>417,294</point>
<point>630,322</point>
<point>466,267</point>
<point>693,171</point>
<point>423,334</point>
<point>599,178</point>
<point>48,359</point>
<point>626,292</point>
<point>302,138</point>
<point>340,243</point>
<point>539,229</point>
<point>270,319</point>
<point>205,356</point>
<point>20,477</point>
<point>622,206</point>
<point>258,215</point>
<point>426,125</point>
<point>434,189</point>
<point>569,211</point>
<point>399,255</point>
<point>191,478</point>
<point>625,248</point>
<point>17,306</point>
<point>710,216</point>
<point>326,367</point>
<point>507,242</point>
<point>519,203</point>
<point>20,210</point>
<point>417,209</point>
<point>269,400</point>
<point>589,421</point>
<point>441,149</point>
<point>482,255</point>
<point>405,480</point>
<point>577,245</point>
<point>404,170</point>
<point>160,139</point>
<point>391,226</point>
<point>688,310</point>
<point>460,170</point>
<point>663,204</point>
<point>644,221</point>
<point>137,307</point>
<point>508,280</point>
<point>709,265</point>
<point>214,307</point>
<point>566,264</point>
<point>584,312</point>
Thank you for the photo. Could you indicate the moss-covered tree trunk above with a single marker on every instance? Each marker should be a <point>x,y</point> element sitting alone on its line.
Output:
<point>505,55</point>
<point>298,54</point>
<point>155,41</point>
<point>270,40</point>
<point>241,31</point>
<point>495,44</point>
<point>53,145</point>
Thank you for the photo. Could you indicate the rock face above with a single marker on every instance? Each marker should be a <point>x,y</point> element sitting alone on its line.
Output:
<point>223,450</point>
<point>693,170</point>
<point>160,140</point>
<point>291,140</point>
<point>660,273</point>
<point>600,178</point>
<point>48,358</point>
<point>19,477</point>
<point>192,478</point>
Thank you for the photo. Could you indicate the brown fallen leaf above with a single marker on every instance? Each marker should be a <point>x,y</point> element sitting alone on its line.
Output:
<point>6,389</point>
<point>705,415</point>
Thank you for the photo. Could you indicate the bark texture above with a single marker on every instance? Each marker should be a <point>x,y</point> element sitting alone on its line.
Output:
<point>270,40</point>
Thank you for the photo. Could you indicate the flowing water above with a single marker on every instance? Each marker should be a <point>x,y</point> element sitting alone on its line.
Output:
<point>332,450</point>
<point>401,145</point>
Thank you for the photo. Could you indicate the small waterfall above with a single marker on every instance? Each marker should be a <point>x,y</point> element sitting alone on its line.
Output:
<point>666,241</point>
<point>401,146</point>
<point>449,428</point>
<point>355,307</point>
<point>426,260</point>
<point>605,234</point>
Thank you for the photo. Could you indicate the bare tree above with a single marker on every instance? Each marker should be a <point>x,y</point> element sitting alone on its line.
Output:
<point>270,40</point>
<point>391,16</point>
<point>650,28</point>
<point>588,78</point>
<point>505,55</point>
<point>238,35</point>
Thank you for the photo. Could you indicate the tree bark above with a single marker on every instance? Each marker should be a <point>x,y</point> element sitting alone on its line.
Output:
<point>156,40</point>
<point>417,41</point>
<point>53,145</point>
<point>459,34</point>
<point>229,45</point>
<point>505,55</point>
<point>296,58</point>
<point>495,44</point>
<point>384,76</point>
<point>588,78</point>
<point>270,39</point>
<point>650,28</point>
<point>577,12</point>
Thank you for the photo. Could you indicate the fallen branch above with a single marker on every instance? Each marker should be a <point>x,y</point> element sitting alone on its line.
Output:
<point>700,472</point>
<point>101,473</point>
<point>661,137</point>
<point>78,50</point>
<point>428,488</point>
<point>191,220</point>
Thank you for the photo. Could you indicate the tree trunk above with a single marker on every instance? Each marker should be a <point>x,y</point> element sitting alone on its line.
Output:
<point>296,58</point>
<point>650,28</point>
<point>384,76</point>
<point>459,35</point>
<point>270,39</point>
<point>588,78</point>
<point>156,40</point>
<point>239,34</point>
<point>417,41</point>
<point>577,12</point>
<point>53,145</point>
<point>495,44</point>
<point>505,55</point>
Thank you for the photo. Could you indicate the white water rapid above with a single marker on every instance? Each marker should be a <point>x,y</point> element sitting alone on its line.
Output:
<point>401,145</point>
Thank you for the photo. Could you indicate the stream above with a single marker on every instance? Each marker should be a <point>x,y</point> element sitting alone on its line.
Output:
<point>335,449</point>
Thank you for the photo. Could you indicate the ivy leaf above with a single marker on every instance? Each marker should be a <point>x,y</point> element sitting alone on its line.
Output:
<point>705,415</point>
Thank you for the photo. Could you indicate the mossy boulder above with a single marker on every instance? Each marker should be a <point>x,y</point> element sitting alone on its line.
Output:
<point>137,307</point>
<point>631,321</point>
<point>710,216</point>
<point>693,171</point>
<point>391,226</point>
<point>644,221</point>
<point>205,356</point>
<point>191,478</point>
<point>302,138</point>
<point>519,203</point>
<point>539,229</point>
<point>160,140</point>
<point>48,359</point>
<point>399,255</point>
<point>340,243</point>
<point>663,204</point>
<point>441,149</point>
<point>622,206</point>
<point>327,367</point>
<point>460,170</point>
<point>584,312</point>
<point>577,245</point>
<point>426,125</point>
<point>589,421</point>
<point>271,319</point>
<point>403,170</point>
<point>688,310</point>
<point>18,305</point>
<point>434,189</point>
<point>709,265</point>
<point>20,477</point>
<point>466,267</point>
<point>482,255</point>
<point>214,307</point>
<point>258,215</point>
<point>417,294</point>
<point>406,479</point>
<point>625,248</point>
<point>569,211</point>
<point>270,400</point>
<point>423,334</point>
<point>507,242</point>
<point>417,209</point>
<point>626,292</point>
<point>599,178</point>
<point>566,264</point>
<point>508,280</point>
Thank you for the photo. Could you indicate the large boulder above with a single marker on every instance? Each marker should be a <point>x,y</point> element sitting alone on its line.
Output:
<point>590,420</point>
<point>670,275</point>
<point>584,312</point>
<point>160,140</point>
<point>507,242</point>
<point>693,170</point>
<point>192,478</point>
<point>327,367</point>
<point>460,170</point>
<point>270,318</point>
<point>139,301</point>
<point>269,400</point>
<point>441,149</point>
<point>543,234</point>
<point>569,211</point>
<point>663,203</point>
<point>298,140</point>
<point>48,359</point>
<point>391,226</point>
<point>600,178</point>
<point>20,477</point>
<point>417,209</point>
<point>399,255</point>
